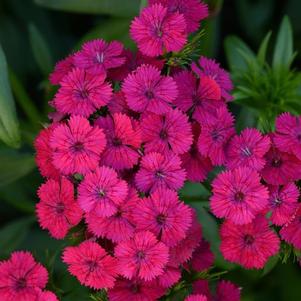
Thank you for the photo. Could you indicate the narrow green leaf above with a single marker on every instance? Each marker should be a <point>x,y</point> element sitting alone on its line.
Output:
<point>14,165</point>
<point>40,50</point>
<point>9,127</point>
<point>143,3</point>
<point>119,8</point>
<point>234,47</point>
<point>261,56</point>
<point>270,265</point>
<point>13,234</point>
<point>283,51</point>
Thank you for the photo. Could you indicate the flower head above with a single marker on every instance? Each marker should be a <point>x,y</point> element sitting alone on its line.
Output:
<point>146,90</point>
<point>101,192</point>
<point>238,195</point>
<point>142,256</point>
<point>202,257</point>
<point>227,291</point>
<point>57,210</point>
<point>61,69</point>
<point>91,265</point>
<point>47,296</point>
<point>196,298</point>
<point>77,146</point>
<point>156,30</point>
<point>250,245</point>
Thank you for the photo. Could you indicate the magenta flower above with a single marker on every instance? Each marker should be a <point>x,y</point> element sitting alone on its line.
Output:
<point>250,245</point>
<point>146,90</point>
<point>283,202</point>
<point>170,276</point>
<point>202,257</point>
<point>165,215</point>
<point>57,210</point>
<point>159,171</point>
<point>91,265</point>
<point>97,56</point>
<point>211,68</point>
<point>123,141</point>
<point>196,298</point>
<point>101,192</point>
<point>157,31</point>
<point>77,146</point>
<point>227,291</point>
<point>247,150</point>
<point>142,256</point>
<point>238,195</point>
<point>21,277</point>
<point>61,69</point>
<point>81,93</point>
<point>165,133</point>
<point>47,296</point>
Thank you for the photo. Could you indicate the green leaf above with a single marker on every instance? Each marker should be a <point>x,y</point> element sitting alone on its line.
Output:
<point>272,262</point>
<point>13,234</point>
<point>234,48</point>
<point>194,192</point>
<point>261,56</point>
<point>119,8</point>
<point>9,127</point>
<point>40,50</point>
<point>283,51</point>
<point>14,165</point>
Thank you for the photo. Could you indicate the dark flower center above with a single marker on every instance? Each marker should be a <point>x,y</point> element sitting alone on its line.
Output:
<point>163,134</point>
<point>117,142</point>
<point>239,196</point>
<point>149,94</point>
<point>277,202</point>
<point>276,162</point>
<point>21,283</point>
<point>249,239</point>
<point>161,219</point>
<point>60,207</point>
<point>78,146</point>
<point>100,57</point>
<point>135,288</point>
<point>159,174</point>
<point>246,151</point>
<point>140,255</point>
<point>101,193</point>
<point>92,265</point>
<point>216,135</point>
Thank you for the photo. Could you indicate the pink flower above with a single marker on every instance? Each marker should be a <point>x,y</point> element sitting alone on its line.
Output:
<point>117,227</point>
<point>227,291</point>
<point>57,210</point>
<point>202,257</point>
<point>146,90</point>
<point>142,256</point>
<point>248,150</point>
<point>77,146</point>
<point>212,69</point>
<point>215,133</point>
<point>62,68</point>
<point>118,104</point>
<point>47,296</point>
<point>97,56</point>
<point>196,298</point>
<point>291,232</point>
<point>193,11</point>
<point>135,290</point>
<point>156,31</point>
<point>91,265</point>
<point>197,166</point>
<point>169,132</point>
<point>238,195</point>
<point>201,286</point>
<point>82,93</point>
<point>280,168</point>
<point>21,277</point>
<point>101,192</point>
<point>44,153</point>
<point>288,134</point>
<point>170,276</point>
<point>123,141</point>
<point>249,245</point>
<point>165,215</point>
<point>159,171</point>
<point>283,203</point>
<point>199,96</point>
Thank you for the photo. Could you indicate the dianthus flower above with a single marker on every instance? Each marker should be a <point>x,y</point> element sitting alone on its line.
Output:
<point>238,195</point>
<point>61,69</point>
<point>123,141</point>
<point>102,191</point>
<point>211,68</point>
<point>165,215</point>
<point>283,202</point>
<point>157,31</point>
<point>77,146</point>
<point>170,276</point>
<point>227,291</point>
<point>142,256</point>
<point>202,257</point>
<point>98,56</point>
<point>91,265</point>
<point>47,296</point>
<point>159,171</point>
<point>250,245</point>
<point>21,277</point>
<point>82,93</point>
<point>193,11</point>
<point>215,133</point>
<point>248,150</point>
<point>146,90</point>
<point>196,298</point>
<point>168,132</point>
<point>57,210</point>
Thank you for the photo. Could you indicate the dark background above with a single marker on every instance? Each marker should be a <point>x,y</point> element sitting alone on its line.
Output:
<point>34,37</point>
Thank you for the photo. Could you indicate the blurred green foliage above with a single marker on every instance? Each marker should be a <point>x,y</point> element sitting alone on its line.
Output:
<point>34,34</point>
